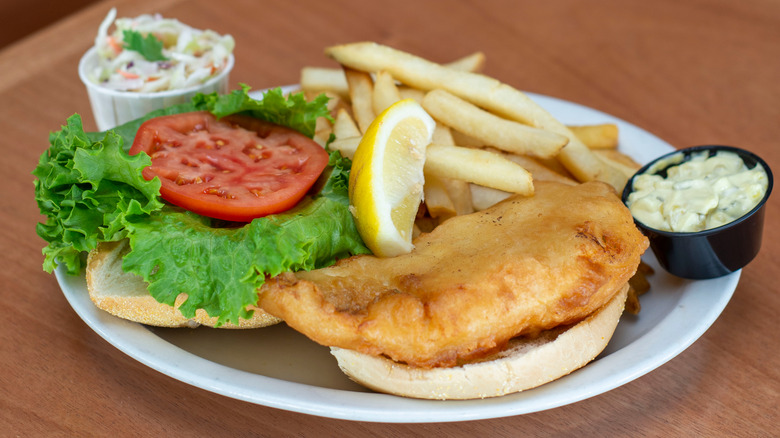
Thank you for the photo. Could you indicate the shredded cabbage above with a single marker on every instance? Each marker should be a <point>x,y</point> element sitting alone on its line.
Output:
<point>192,56</point>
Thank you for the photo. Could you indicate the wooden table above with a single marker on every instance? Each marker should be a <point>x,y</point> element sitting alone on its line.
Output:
<point>691,72</point>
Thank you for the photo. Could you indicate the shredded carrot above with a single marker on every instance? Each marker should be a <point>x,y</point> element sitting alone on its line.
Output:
<point>127,74</point>
<point>115,46</point>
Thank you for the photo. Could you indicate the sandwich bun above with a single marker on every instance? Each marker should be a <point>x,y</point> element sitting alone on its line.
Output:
<point>525,363</point>
<point>125,295</point>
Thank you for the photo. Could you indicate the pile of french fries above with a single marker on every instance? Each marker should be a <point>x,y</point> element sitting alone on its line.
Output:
<point>490,141</point>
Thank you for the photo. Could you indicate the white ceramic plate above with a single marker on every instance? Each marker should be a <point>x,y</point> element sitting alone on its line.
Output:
<point>280,368</point>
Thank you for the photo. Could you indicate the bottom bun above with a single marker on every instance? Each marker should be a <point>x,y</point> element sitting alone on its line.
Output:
<point>125,295</point>
<point>524,364</point>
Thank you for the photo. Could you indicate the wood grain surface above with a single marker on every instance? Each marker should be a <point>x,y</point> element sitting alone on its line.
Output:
<point>691,72</point>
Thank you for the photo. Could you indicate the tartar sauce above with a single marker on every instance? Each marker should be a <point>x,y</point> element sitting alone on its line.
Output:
<point>699,194</point>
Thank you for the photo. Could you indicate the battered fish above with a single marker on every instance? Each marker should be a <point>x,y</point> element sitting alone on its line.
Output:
<point>473,283</point>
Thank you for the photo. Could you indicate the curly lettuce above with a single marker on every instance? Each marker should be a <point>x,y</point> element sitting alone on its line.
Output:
<point>221,268</point>
<point>293,111</point>
<point>91,190</point>
<point>87,190</point>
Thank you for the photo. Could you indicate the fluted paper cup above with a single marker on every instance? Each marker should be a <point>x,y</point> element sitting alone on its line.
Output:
<point>112,108</point>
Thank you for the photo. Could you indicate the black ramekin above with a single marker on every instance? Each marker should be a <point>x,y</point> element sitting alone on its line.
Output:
<point>709,253</point>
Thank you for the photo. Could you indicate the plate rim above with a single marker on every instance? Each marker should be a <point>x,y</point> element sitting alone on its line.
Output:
<point>144,346</point>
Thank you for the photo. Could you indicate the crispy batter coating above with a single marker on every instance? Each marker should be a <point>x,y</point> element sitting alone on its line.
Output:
<point>473,283</point>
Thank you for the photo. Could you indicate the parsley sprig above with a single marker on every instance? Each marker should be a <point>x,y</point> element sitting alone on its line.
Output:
<point>150,47</point>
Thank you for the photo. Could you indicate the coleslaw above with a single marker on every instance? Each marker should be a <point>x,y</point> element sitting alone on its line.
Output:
<point>188,58</point>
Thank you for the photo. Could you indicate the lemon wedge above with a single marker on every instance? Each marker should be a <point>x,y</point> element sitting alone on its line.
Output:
<point>386,180</point>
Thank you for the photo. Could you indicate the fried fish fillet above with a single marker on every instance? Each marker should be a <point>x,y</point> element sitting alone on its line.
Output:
<point>476,281</point>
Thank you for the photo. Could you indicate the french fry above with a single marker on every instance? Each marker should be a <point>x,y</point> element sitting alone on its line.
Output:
<point>361,90</point>
<point>485,197</point>
<point>323,127</point>
<point>479,167</point>
<point>424,224</point>
<point>335,102</point>
<point>632,305</point>
<point>546,168</point>
<point>385,92</point>
<point>619,157</point>
<point>319,79</point>
<point>411,93</point>
<point>416,231</point>
<point>442,135</point>
<point>437,200</point>
<point>472,63</point>
<point>601,136</point>
<point>638,285</point>
<point>556,166</point>
<point>488,93</point>
<point>460,195</point>
<point>466,140</point>
<point>344,126</point>
<point>458,191</point>
<point>539,171</point>
<point>503,134</point>
<point>347,146</point>
<point>447,163</point>
<point>322,131</point>
<point>626,169</point>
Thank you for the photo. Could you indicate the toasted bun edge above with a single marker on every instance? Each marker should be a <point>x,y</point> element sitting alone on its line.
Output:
<point>125,295</point>
<point>524,364</point>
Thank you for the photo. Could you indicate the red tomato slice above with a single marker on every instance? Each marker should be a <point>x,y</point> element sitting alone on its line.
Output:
<point>236,168</point>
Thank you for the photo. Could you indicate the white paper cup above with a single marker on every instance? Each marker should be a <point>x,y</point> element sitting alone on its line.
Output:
<point>112,108</point>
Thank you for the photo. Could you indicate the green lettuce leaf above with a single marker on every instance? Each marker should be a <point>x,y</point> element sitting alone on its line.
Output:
<point>91,190</point>
<point>87,184</point>
<point>293,111</point>
<point>87,190</point>
<point>220,268</point>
